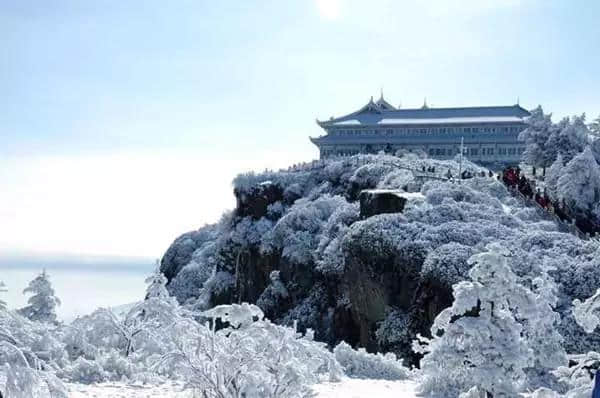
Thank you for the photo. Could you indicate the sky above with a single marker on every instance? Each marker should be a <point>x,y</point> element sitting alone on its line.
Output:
<point>124,122</point>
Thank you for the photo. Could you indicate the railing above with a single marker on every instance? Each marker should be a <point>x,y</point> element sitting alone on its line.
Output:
<point>571,227</point>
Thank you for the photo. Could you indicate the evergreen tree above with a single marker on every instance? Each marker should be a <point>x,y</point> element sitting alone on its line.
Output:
<point>2,290</point>
<point>43,302</point>
<point>494,331</point>
<point>159,308</point>
<point>157,283</point>
<point>536,136</point>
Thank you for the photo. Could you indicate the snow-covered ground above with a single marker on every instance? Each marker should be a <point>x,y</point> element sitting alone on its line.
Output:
<point>347,388</point>
<point>360,388</point>
<point>122,390</point>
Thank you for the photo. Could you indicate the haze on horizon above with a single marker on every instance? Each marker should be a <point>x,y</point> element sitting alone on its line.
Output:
<point>123,123</point>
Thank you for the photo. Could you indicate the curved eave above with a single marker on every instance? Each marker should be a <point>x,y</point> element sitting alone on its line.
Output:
<point>316,140</point>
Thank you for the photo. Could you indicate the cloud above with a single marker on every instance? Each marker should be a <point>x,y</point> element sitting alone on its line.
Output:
<point>329,9</point>
<point>128,204</point>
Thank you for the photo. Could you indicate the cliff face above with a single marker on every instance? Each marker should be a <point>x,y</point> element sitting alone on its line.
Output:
<point>299,245</point>
<point>305,225</point>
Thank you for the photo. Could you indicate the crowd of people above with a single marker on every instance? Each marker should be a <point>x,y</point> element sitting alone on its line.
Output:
<point>513,178</point>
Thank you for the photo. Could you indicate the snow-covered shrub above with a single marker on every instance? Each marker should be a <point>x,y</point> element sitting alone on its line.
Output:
<point>26,348</point>
<point>586,313</point>
<point>369,176</point>
<point>399,179</point>
<point>37,342</point>
<point>251,357</point>
<point>579,375</point>
<point>362,365</point>
<point>394,332</point>
<point>329,257</point>
<point>24,382</point>
<point>297,233</point>
<point>447,263</point>
<point>86,371</point>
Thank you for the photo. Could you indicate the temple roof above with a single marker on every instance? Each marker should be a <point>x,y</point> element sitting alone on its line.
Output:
<point>382,113</point>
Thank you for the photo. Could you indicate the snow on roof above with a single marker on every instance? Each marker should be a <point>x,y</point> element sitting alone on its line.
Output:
<point>374,114</point>
<point>348,122</point>
<point>481,119</point>
<point>453,120</point>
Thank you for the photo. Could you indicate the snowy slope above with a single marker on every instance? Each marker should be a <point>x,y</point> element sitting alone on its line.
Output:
<point>347,388</point>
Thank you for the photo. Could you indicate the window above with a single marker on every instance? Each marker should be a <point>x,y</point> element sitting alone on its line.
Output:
<point>467,129</point>
<point>474,152</point>
<point>390,132</point>
<point>431,152</point>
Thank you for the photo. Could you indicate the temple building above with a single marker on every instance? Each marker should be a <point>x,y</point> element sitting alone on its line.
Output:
<point>490,133</point>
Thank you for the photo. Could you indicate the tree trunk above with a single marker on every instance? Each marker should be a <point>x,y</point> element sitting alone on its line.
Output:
<point>533,170</point>
<point>544,172</point>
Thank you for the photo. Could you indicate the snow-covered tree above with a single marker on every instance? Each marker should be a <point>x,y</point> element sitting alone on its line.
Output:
<point>157,283</point>
<point>43,302</point>
<point>494,331</point>
<point>159,307</point>
<point>536,135</point>
<point>552,176</point>
<point>2,290</point>
<point>579,183</point>
<point>568,138</point>
<point>594,127</point>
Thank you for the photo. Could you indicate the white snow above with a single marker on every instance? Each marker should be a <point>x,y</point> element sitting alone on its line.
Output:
<point>480,119</point>
<point>347,388</point>
<point>122,390</point>
<point>365,388</point>
<point>397,192</point>
<point>449,120</point>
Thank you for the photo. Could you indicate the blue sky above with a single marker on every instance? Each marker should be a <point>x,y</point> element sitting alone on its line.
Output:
<point>123,122</point>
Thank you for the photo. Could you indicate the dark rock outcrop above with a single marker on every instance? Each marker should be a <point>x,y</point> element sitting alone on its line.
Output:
<point>380,202</point>
<point>383,272</point>
<point>254,202</point>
